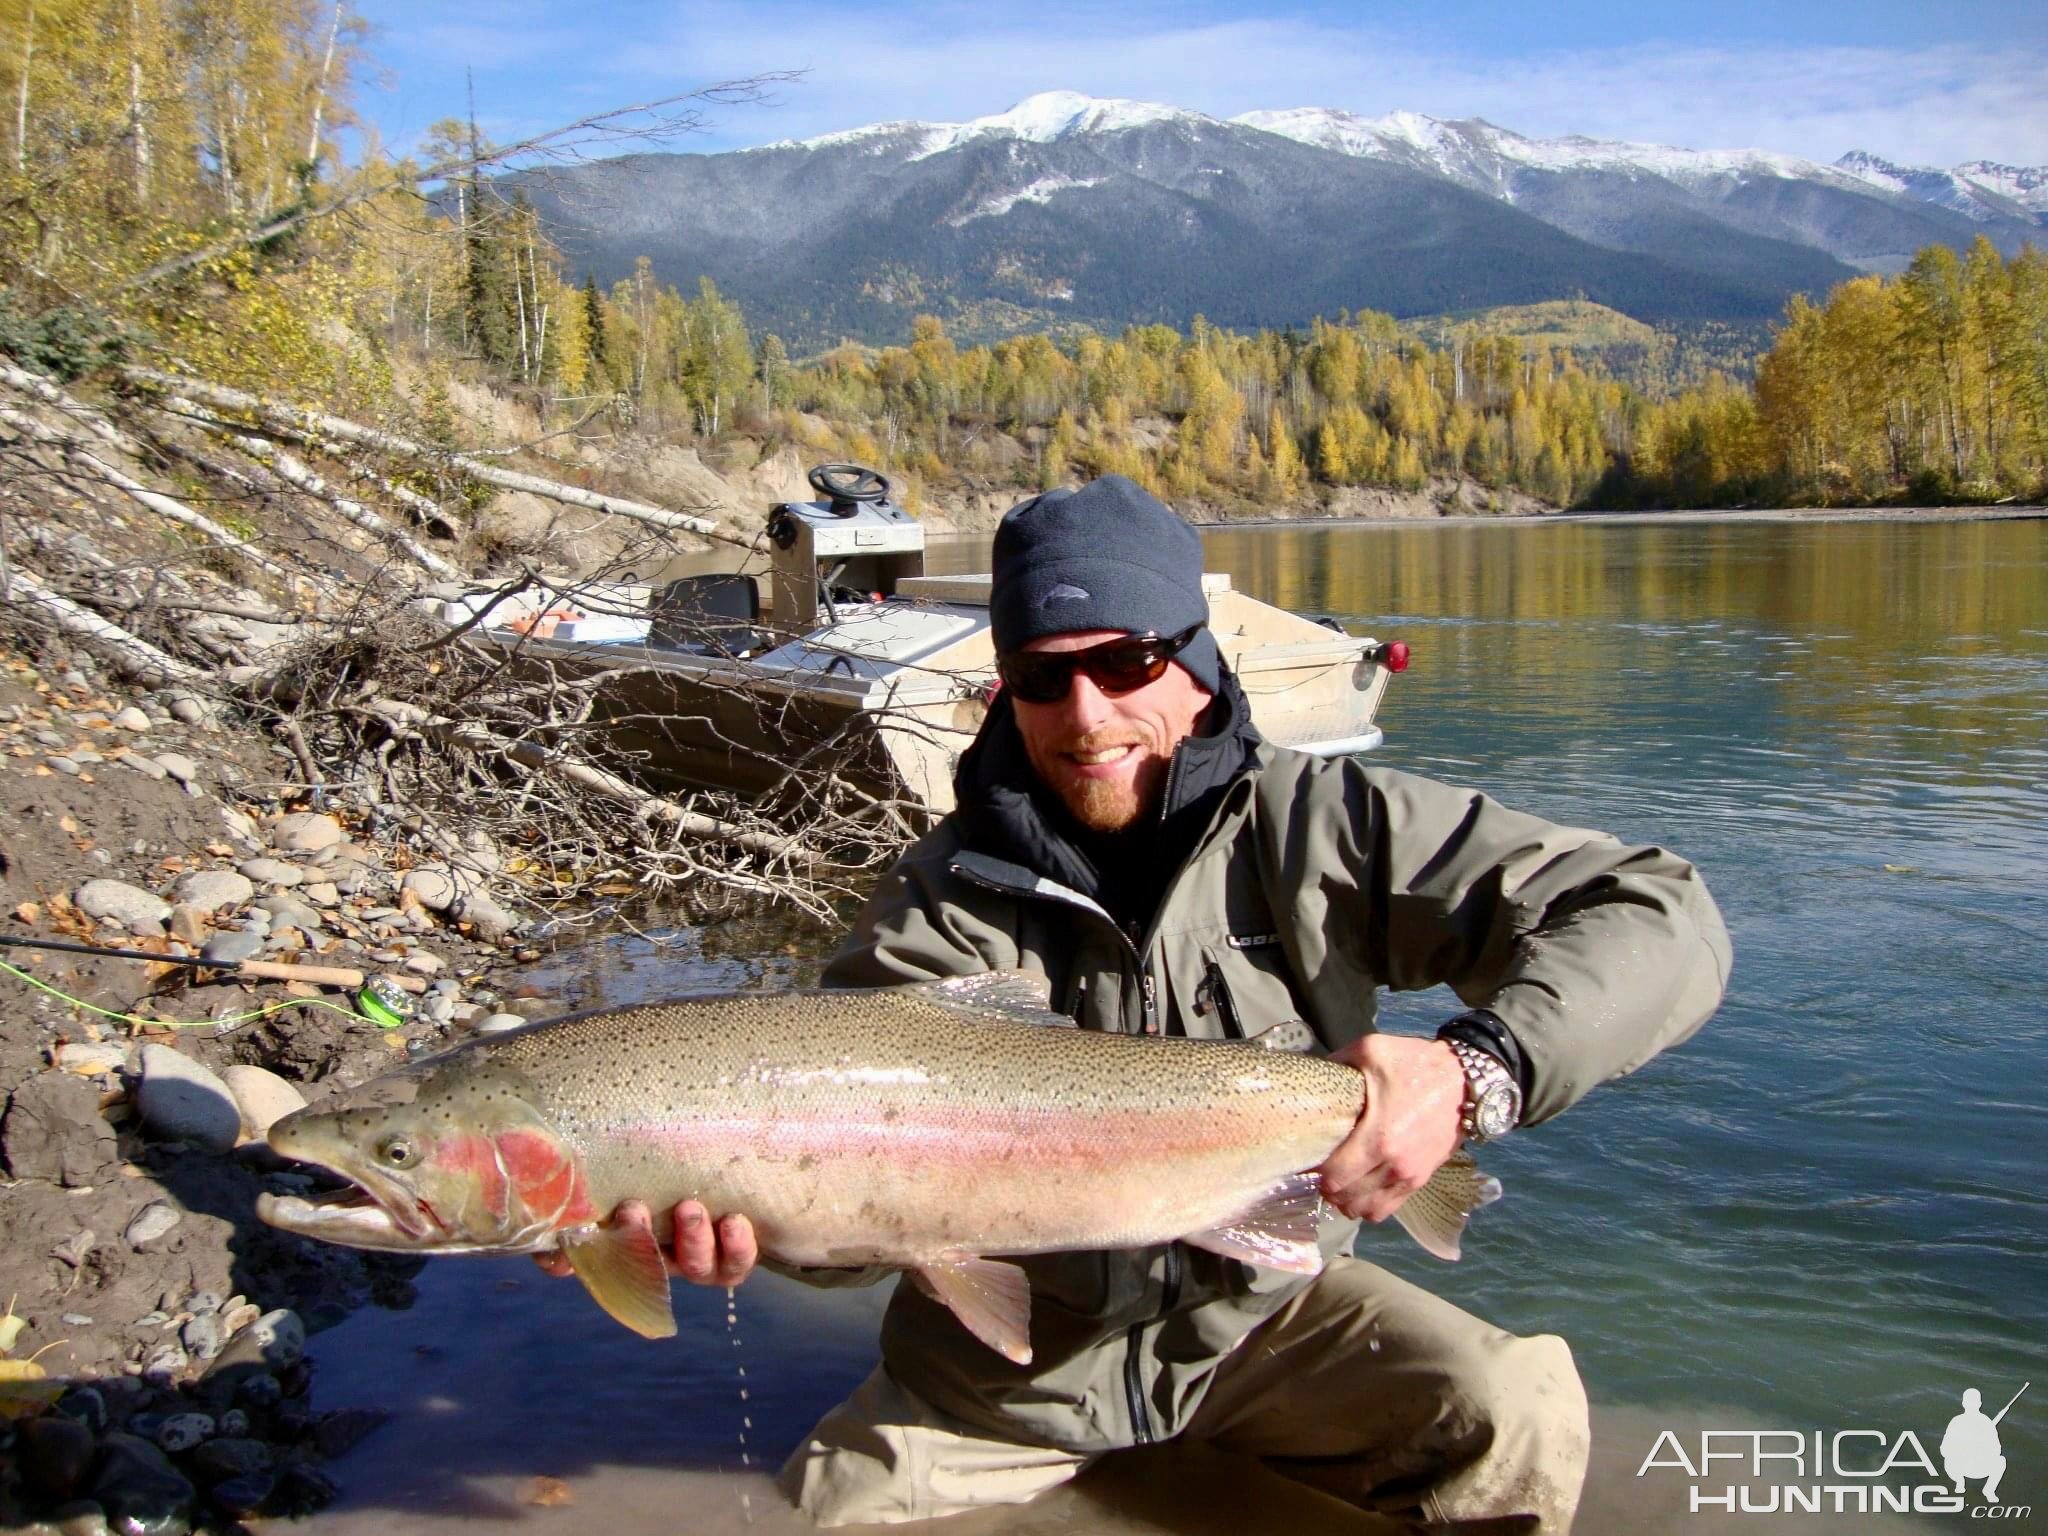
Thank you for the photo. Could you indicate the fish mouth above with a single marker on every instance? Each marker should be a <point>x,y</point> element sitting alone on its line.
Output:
<point>355,1218</point>
<point>376,1211</point>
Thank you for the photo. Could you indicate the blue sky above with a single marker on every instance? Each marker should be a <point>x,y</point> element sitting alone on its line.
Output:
<point>1915,82</point>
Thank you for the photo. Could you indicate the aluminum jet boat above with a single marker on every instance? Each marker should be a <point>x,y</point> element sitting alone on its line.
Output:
<point>859,669</point>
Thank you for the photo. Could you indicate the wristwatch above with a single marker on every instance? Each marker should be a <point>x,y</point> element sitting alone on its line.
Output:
<point>1493,1099</point>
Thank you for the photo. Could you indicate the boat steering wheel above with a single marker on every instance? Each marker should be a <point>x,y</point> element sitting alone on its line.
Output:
<point>848,486</point>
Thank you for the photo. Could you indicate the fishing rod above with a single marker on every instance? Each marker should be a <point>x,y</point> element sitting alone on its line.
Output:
<point>2015,1398</point>
<point>255,970</point>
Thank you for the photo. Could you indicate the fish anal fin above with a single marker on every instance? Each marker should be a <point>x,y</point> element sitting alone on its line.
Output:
<point>992,1300</point>
<point>620,1265</point>
<point>1435,1215</point>
<point>1025,996</point>
<point>1278,1231</point>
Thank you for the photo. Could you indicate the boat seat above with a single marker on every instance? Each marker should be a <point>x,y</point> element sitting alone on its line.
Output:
<point>710,615</point>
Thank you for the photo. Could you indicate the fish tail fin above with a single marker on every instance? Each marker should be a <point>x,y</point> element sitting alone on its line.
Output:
<point>992,1300</point>
<point>1435,1215</point>
<point>621,1266</point>
<point>1277,1231</point>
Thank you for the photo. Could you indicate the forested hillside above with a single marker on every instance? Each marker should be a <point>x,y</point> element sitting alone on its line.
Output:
<point>1931,386</point>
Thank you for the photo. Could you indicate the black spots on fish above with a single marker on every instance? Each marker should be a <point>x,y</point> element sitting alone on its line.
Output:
<point>891,1115</point>
<point>808,1163</point>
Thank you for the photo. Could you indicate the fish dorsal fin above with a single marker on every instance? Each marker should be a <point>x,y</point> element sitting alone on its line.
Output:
<point>992,1300</point>
<point>620,1264</point>
<point>1025,996</point>
<point>1278,1231</point>
<point>1435,1214</point>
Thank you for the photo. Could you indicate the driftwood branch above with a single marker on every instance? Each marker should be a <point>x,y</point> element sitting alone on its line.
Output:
<point>476,738</point>
<point>315,422</point>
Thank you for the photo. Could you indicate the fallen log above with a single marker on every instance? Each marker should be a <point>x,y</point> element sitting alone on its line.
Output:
<point>74,449</point>
<point>129,655</point>
<point>297,474</point>
<point>425,511</point>
<point>315,422</point>
<point>46,391</point>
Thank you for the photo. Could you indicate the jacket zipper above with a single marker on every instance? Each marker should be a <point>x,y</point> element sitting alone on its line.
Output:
<point>1224,1003</point>
<point>1134,1386</point>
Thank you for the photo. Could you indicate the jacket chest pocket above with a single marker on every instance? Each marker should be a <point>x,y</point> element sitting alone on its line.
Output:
<point>1246,986</point>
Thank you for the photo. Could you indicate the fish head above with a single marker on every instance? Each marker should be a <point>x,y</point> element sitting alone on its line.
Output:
<point>448,1156</point>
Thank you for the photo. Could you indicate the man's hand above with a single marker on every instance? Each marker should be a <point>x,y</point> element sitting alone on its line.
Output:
<point>1414,1097</point>
<point>704,1252</point>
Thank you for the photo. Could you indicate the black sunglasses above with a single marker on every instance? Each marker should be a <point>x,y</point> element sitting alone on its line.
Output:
<point>1115,666</point>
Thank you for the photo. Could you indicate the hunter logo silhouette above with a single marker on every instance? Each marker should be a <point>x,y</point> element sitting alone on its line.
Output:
<point>1970,1448</point>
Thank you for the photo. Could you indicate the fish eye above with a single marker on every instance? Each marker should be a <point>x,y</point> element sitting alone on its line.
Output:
<point>398,1151</point>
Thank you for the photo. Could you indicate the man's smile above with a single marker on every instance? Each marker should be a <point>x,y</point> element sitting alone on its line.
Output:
<point>1085,758</point>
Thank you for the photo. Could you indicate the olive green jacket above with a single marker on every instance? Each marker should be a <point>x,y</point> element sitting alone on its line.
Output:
<point>1315,884</point>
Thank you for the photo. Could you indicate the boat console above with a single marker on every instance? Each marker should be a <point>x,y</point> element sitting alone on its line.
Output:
<point>852,545</point>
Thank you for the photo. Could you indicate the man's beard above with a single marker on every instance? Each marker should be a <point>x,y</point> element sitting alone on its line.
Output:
<point>1105,805</point>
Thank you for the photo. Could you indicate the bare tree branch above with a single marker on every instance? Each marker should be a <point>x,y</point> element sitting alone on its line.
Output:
<point>650,122</point>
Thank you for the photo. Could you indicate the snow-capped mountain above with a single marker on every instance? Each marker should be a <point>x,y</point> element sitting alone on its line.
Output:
<point>1071,208</point>
<point>1039,119</point>
<point>1476,152</point>
<point>1980,190</point>
<point>1774,195</point>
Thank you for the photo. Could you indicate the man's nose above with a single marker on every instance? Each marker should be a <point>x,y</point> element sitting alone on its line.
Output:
<point>1087,705</point>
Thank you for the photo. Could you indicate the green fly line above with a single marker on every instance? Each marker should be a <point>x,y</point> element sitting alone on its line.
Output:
<point>229,1021</point>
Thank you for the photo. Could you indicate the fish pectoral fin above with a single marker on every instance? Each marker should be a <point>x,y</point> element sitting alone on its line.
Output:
<point>1435,1215</point>
<point>1278,1231</point>
<point>621,1266</point>
<point>1288,1035</point>
<point>992,1300</point>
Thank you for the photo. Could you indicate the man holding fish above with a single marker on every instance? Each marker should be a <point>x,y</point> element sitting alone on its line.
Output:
<point>1122,830</point>
<point>1113,1234</point>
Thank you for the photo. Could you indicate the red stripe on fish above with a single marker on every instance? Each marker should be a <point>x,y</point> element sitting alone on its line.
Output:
<point>935,1136</point>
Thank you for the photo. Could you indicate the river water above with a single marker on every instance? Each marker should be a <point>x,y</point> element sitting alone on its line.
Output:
<point>1824,1213</point>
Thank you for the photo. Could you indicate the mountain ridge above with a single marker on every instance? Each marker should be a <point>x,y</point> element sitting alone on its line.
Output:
<point>1072,210</point>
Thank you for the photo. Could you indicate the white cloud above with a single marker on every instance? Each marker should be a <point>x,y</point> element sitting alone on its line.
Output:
<point>1934,106</point>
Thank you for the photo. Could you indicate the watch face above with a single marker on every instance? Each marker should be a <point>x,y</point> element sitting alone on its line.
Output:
<point>1494,1115</point>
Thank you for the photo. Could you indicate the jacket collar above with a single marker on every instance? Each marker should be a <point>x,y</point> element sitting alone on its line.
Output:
<point>1003,810</point>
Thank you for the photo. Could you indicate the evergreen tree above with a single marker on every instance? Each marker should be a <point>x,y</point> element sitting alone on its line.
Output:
<point>593,327</point>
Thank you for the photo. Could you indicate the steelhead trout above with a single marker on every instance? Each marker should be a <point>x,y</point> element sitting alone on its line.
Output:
<point>925,1127</point>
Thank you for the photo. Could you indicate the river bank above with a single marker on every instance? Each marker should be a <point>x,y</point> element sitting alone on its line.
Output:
<point>171,1383</point>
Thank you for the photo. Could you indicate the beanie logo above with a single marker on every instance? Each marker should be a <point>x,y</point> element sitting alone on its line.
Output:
<point>1065,592</point>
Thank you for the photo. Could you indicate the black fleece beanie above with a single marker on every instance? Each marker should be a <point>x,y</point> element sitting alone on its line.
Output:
<point>1108,556</point>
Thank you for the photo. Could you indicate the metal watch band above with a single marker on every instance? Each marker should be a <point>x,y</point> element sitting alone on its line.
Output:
<point>1493,1100</point>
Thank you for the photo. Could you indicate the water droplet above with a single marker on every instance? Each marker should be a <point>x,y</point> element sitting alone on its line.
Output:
<point>732,1325</point>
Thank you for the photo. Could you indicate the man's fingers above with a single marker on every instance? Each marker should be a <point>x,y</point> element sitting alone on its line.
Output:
<point>696,1243</point>
<point>736,1250</point>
